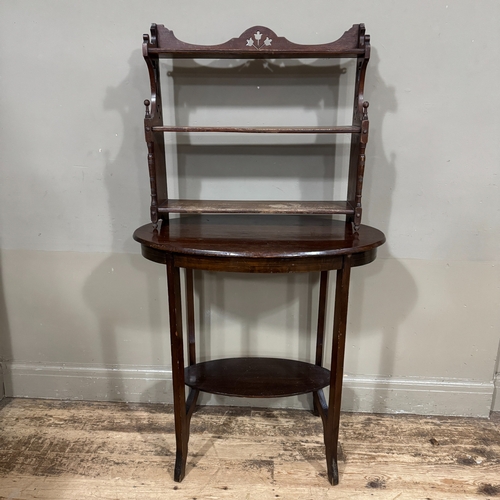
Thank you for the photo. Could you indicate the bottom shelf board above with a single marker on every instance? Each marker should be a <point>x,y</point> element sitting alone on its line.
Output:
<point>256,377</point>
<point>255,207</point>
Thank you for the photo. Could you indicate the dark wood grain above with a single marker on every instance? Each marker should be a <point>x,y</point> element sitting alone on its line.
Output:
<point>255,42</point>
<point>258,243</point>
<point>337,369</point>
<point>177,350</point>
<point>270,265</point>
<point>190,315</point>
<point>347,129</point>
<point>257,377</point>
<point>259,236</point>
<point>320,332</point>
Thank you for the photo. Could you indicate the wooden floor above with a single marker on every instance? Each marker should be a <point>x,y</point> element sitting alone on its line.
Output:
<point>114,451</point>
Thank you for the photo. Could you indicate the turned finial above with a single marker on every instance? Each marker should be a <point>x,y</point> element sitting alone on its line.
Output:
<point>365,110</point>
<point>147,103</point>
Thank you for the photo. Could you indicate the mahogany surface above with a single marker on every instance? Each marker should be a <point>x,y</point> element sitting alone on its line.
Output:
<point>257,42</point>
<point>257,377</point>
<point>346,129</point>
<point>258,243</point>
<point>257,237</point>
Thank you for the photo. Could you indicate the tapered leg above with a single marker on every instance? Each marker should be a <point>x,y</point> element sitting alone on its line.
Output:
<point>177,349</point>
<point>320,335</point>
<point>193,393</point>
<point>190,316</point>
<point>337,369</point>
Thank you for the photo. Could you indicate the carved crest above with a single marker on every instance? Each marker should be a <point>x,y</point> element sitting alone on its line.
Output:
<point>256,40</point>
<point>257,43</point>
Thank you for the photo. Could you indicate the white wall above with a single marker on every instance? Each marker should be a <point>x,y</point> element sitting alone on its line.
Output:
<point>83,315</point>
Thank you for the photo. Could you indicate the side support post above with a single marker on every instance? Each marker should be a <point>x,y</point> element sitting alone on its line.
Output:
<point>177,351</point>
<point>359,141</point>
<point>193,393</point>
<point>190,316</point>
<point>155,140</point>
<point>337,369</point>
<point>319,402</point>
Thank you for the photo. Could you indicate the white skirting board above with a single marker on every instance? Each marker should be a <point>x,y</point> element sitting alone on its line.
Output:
<point>153,385</point>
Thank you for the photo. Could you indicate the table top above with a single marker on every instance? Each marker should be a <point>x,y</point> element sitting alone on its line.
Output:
<point>268,239</point>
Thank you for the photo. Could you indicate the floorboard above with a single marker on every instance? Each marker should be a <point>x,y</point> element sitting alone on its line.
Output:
<point>111,451</point>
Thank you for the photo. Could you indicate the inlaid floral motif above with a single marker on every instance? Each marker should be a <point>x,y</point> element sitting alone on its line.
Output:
<point>257,42</point>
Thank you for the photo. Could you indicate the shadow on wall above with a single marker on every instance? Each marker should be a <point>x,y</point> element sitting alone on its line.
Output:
<point>125,290</point>
<point>380,313</point>
<point>108,295</point>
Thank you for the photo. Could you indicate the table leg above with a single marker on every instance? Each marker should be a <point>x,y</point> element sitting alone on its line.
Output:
<point>320,336</point>
<point>190,316</point>
<point>177,351</point>
<point>193,393</point>
<point>337,369</point>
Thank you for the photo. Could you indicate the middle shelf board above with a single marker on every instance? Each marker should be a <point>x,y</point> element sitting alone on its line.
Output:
<point>256,377</point>
<point>255,207</point>
<point>347,129</point>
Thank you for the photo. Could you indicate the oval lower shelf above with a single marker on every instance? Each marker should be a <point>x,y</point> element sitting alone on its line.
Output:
<point>256,377</point>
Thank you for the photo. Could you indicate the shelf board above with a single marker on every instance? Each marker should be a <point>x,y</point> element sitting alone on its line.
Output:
<point>344,129</point>
<point>244,54</point>
<point>256,377</point>
<point>255,207</point>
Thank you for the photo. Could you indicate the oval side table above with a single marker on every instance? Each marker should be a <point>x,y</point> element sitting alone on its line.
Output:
<point>258,244</point>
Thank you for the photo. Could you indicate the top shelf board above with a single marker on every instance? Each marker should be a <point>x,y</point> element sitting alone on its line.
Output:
<point>257,42</point>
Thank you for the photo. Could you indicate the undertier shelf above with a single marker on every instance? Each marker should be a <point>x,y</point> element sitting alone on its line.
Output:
<point>256,377</point>
<point>255,207</point>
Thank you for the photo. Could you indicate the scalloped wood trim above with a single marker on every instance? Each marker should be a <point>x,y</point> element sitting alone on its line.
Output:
<point>257,41</point>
